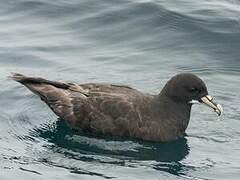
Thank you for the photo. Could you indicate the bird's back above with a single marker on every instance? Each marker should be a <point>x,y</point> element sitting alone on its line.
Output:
<point>109,109</point>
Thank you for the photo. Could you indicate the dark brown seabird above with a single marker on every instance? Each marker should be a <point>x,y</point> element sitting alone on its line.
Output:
<point>121,110</point>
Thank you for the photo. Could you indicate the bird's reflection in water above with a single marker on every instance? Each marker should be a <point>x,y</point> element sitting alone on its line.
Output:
<point>114,150</point>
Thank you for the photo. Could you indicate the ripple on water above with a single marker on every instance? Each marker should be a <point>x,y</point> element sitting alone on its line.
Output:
<point>140,43</point>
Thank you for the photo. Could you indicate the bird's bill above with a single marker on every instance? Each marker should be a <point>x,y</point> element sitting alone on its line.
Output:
<point>208,100</point>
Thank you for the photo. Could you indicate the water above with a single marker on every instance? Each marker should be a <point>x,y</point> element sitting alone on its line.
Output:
<point>141,43</point>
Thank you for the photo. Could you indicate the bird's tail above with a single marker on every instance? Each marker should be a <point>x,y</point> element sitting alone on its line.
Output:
<point>54,94</point>
<point>26,80</point>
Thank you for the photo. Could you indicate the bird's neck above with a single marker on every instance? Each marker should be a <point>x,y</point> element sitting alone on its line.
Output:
<point>173,116</point>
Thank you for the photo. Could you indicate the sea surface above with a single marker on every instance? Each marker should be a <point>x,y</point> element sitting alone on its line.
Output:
<point>140,43</point>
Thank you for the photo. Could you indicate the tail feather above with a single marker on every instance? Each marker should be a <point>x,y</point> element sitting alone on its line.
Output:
<point>55,94</point>
<point>16,77</point>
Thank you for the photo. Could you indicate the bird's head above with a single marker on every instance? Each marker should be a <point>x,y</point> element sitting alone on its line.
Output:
<point>190,89</point>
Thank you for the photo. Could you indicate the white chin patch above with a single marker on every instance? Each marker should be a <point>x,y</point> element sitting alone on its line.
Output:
<point>194,102</point>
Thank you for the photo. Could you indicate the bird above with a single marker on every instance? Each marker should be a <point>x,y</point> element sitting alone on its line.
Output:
<point>123,111</point>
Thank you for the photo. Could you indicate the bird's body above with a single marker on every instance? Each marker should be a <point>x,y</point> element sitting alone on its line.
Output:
<point>114,109</point>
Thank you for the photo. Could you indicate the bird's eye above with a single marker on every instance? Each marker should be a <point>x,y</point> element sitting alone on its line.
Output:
<point>194,90</point>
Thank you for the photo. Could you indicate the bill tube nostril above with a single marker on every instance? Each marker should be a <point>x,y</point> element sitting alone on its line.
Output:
<point>208,100</point>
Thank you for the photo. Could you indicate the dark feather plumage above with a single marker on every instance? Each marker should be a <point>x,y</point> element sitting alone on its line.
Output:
<point>115,109</point>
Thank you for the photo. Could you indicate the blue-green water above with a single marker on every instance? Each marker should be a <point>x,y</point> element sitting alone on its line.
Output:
<point>141,43</point>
